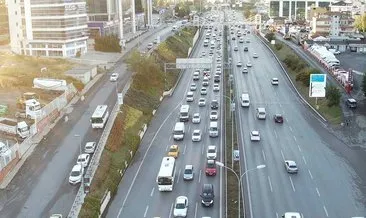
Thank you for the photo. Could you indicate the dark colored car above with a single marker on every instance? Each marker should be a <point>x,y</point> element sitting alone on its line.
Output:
<point>246,49</point>
<point>214,104</point>
<point>278,118</point>
<point>351,103</point>
<point>207,195</point>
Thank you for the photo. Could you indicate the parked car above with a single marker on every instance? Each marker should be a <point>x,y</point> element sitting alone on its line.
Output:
<point>76,174</point>
<point>83,160</point>
<point>89,147</point>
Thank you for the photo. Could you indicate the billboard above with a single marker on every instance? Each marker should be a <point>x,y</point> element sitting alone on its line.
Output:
<point>317,85</point>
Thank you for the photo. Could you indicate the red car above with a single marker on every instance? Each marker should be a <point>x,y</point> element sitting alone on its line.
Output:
<point>278,118</point>
<point>211,168</point>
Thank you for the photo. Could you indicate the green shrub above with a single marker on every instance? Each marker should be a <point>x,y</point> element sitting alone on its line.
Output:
<point>278,46</point>
<point>304,77</point>
<point>91,207</point>
<point>291,61</point>
<point>270,36</point>
<point>333,95</point>
<point>108,43</point>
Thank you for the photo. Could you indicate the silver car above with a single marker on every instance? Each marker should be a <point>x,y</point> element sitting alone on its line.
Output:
<point>291,166</point>
<point>188,173</point>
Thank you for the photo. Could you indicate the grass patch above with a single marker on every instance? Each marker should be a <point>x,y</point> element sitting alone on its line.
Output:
<point>332,114</point>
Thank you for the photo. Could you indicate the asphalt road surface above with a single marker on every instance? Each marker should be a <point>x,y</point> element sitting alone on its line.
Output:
<point>41,187</point>
<point>328,183</point>
<point>138,195</point>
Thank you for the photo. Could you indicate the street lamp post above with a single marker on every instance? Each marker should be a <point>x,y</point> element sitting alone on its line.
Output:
<point>239,178</point>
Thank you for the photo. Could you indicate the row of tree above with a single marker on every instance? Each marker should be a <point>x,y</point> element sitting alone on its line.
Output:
<point>360,22</point>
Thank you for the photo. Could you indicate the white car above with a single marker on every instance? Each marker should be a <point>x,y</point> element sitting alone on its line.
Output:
<point>249,64</point>
<point>203,91</point>
<point>255,55</point>
<point>274,81</point>
<point>202,102</point>
<point>214,115</point>
<point>211,152</point>
<point>76,174</point>
<point>83,160</point>
<point>114,77</point>
<point>236,48</point>
<point>150,46</point>
<point>216,87</point>
<point>181,207</point>
<point>245,70</point>
<point>241,40</point>
<point>196,118</point>
<point>239,64</point>
<point>196,135</point>
<point>189,97</point>
<point>255,136</point>
<point>193,87</point>
<point>203,54</point>
<point>291,166</point>
<point>90,147</point>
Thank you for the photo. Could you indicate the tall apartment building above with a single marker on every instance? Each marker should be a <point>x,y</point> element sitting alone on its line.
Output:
<point>56,28</point>
<point>294,9</point>
<point>4,25</point>
<point>333,24</point>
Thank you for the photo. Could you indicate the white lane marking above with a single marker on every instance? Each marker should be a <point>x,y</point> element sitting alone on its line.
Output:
<point>185,148</point>
<point>325,210</point>
<point>317,191</point>
<point>195,210</point>
<point>275,133</point>
<point>280,104</point>
<point>264,155</point>
<point>203,149</point>
<point>291,129</point>
<point>178,176</point>
<point>170,137</point>
<point>199,176</point>
<point>283,156</point>
<point>303,158</point>
<point>292,184</point>
<point>152,192</point>
<point>299,147</point>
<point>166,149</point>
<point>295,138</point>
<point>147,208</point>
<point>311,175</point>
<point>171,210</point>
<point>189,127</point>
<point>270,184</point>
<point>277,215</point>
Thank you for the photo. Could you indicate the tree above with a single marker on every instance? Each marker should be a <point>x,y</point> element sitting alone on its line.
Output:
<point>360,22</point>
<point>108,43</point>
<point>333,95</point>
<point>364,84</point>
<point>182,9</point>
<point>270,36</point>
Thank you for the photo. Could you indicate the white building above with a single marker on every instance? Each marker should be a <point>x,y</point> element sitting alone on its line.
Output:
<point>56,28</point>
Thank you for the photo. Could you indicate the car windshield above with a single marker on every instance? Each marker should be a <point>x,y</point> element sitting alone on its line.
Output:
<point>187,171</point>
<point>211,151</point>
<point>172,150</point>
<point>75,173</point>
<point>81,160</point>
<point>180,206</point>
<point>292,166</point>
<point>210,165</point>
<point>196,133</point>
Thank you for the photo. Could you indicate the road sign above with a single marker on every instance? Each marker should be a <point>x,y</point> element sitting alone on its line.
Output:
<point>189,63</point>
<point>317,85</point>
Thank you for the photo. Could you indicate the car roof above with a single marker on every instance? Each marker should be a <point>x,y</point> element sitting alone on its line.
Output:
<point>84,155</point>
<point>174,146</point>
<point>90,144</point>
<point>202,99</point>
<point>181,199</point>
<point>351,100</point>
<point>274,78</point>
<point>210,161</point>
<point>278,115</point>
<point>76,167</point>
<point>211,147</point>
<point>291,162</point>
<point>196,114</point>
<point>188,167</point>
<point>254,132</point>
<point>196,130</point>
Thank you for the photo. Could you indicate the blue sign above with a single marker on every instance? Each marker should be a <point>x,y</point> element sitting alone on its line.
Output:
<point>317,78</point>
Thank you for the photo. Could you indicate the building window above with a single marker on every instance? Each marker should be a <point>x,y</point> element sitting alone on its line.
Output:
<point>274,8</point>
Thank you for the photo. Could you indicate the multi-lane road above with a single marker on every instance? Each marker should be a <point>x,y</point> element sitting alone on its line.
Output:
<point>41,186</point>
<point>326,185</point>
<point>138,195</point>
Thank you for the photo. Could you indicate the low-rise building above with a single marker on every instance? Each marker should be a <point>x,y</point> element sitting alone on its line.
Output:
<point>333,24</point>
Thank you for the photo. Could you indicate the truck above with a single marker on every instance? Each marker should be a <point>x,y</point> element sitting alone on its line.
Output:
<point>32,110</point>
<point>13,127</point>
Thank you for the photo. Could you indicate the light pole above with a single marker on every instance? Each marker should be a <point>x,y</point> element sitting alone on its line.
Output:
<point>239,178</point>
<point>78,136</point>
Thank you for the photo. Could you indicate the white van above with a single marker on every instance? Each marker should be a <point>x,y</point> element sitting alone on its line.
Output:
<point>213,129</point>
<point>261,113</point>
<point>178,132</point>
<point>244,99</point>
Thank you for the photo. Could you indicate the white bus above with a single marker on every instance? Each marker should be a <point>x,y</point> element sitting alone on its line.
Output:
<point>100,117</point>
<point>165,178</point>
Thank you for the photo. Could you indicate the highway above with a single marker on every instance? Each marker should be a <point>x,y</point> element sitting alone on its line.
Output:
<point>328,182</point>
<point>41,187</point>
<point>138,195</point>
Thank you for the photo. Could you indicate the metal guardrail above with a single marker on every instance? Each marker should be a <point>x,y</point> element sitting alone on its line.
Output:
<point>94,163</point>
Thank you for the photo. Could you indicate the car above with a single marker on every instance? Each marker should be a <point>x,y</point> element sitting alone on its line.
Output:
<point>241,40</point>
<point>291,166</point>
<point>292,215</point>
<point>202,102</point>
<point>236,48</point>
<point>255,55</point>
<point>173,151</point>
<point>196,77</point>
<point>203,54</point>
<point>76,174</point>
<point>189,97</point>
<point>196,135</point>
<point>90,147</point>
<point>214,104</point>
<point>211,152</point>
<point>196,118</point>
<point>239,64</point>
<point>278,118</point>
<point>274,81</point>
<point>207,195</point>
<point>205,83</point>
<point>247,41</point>
<point>188,173</point>
<point>214,115</point>
<point>181,207</point>
<point>210,168</point>
<point>193,87</point>
<point>114,77</point>
<point>351,103</point>
<point>155,41</point>
<point>245,70</point>
<point>203,91</point>
<point>216,87</point>
<point>56,215</point>
<point>217,78</point>
<point>150,46</point>
<point>246,48</point>
<point>233,38</point>
<point>255,136</point>
<point>249,64</point>
<point>83,160</point>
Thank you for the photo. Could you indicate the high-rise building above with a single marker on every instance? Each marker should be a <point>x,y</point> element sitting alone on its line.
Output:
<point>55,28</point>
<point>294,9</point>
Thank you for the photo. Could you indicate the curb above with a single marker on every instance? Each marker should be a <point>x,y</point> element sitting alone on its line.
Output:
<point>288,77</point>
